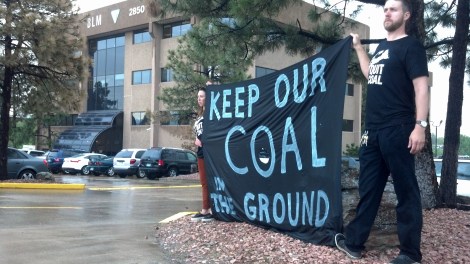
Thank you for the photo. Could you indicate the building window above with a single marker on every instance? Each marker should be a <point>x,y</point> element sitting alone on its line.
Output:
<point>348,125</point>
<point>142,36</point>
<point>349,89</point>
<point>176,29</point>
<point>106,81</point>
<point>140,119</point>
<point>174,118</point>
<point>141,77</point>
<point>261,71</point>
<point>167,75</point>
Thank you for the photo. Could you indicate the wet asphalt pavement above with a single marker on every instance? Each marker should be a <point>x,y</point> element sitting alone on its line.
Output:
<point>112,221</point>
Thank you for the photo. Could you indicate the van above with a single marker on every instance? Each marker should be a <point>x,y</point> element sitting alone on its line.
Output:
<point>126,162</point>
<point>159,161</point>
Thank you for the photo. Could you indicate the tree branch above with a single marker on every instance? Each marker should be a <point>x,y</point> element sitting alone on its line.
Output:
<point>328,41</point>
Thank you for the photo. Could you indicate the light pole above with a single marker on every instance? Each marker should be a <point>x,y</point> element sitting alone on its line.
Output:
<point>436,124</point>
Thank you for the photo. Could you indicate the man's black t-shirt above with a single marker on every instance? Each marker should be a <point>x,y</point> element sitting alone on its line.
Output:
<point>390,92</point>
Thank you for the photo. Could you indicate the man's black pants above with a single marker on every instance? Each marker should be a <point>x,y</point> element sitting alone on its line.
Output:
<point>387,153</point>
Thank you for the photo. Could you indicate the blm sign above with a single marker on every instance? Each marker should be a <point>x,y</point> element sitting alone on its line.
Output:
<point>272,147</point>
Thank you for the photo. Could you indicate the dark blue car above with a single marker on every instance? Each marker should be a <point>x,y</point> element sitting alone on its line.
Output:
<point>55,158</point>
<point>101,166</point>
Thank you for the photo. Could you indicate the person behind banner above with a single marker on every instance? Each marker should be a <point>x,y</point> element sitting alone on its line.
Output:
<point>396,110</point>
<point>205,215</point>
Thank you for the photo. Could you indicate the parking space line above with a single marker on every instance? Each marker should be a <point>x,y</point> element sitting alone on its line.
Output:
<point>141,187</point>
<point>175,217</point>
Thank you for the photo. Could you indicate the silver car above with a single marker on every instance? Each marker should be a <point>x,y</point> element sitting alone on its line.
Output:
<point>23,166</point>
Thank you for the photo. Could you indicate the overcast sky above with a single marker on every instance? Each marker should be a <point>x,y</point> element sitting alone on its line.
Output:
<point>372,16</point>
<point>87,5</point>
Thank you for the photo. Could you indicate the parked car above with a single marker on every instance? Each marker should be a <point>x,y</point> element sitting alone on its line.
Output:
<point>101,166</point>
<point>159,161</point>
<point>350,162</point>
<point>79,163</point>
<point>463,175</point>
<point>34,153</point>
<point>127,161</point>
<point>23,166</point>
<point>55,158</point>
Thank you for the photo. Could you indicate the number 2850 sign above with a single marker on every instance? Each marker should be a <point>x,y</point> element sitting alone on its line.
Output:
<point>136,10</point>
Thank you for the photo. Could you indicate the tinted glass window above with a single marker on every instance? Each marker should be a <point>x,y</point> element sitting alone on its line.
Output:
<point>120,61</point>
<point>142,36</point>
<point>151,154</point>
<point>120,41</point>
<point>124,154</point>
<point>191,156</point>
<point>141,77</point>
<point>348,125</point>
<point>261,71</point>
<point>176,29</point>
<point>139,118</point>
<point>166,154</point>
<point>70,153</point>
<point>139,154</point>
<point>36,153</point>
<point>166,75</point>
<point>181,156</point>
<point>171,118</point>
<point>108,61</point>
<point>53,154</point>
<point>13,154</point>
<point>349,89</point>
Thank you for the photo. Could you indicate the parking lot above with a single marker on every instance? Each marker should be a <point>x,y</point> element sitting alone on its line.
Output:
<point>111,221</point>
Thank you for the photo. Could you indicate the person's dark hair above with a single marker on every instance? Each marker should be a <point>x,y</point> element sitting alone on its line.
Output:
<point>200,112</point>
<point>406,5</point>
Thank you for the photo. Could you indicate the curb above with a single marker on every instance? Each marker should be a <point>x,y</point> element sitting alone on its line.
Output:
<point>175,217</point>
<point>57,186</point>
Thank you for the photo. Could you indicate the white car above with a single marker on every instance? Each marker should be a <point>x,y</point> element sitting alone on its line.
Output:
<point>127,161</point>
<point>35,153</point>
<point>463,175</point>
<point>79,163</point>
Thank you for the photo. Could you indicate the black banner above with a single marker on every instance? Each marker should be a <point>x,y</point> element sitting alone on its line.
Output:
<point>272,147</point>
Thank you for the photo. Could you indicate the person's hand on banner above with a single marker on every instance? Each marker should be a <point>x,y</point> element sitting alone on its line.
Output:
<point>198,142</point>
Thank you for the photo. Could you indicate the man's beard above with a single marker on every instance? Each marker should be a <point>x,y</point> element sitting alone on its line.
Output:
<point>394,25</point>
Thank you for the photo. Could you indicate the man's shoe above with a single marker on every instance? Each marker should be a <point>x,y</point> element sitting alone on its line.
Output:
<point>207,218</point>
<point>198,217</point>
<point>403,259</point>
<point>340,241</point>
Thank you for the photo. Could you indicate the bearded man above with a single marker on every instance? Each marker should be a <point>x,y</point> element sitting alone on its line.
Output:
<point>396,111</point>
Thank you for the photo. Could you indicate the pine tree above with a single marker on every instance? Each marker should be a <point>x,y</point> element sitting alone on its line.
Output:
<point>40,62</point>
<point>448,189</point>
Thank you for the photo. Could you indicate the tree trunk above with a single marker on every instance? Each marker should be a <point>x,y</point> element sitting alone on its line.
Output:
<point>424,168</point>
<point>6,97</point>
<point>448,188</point>
<point>425,174</point>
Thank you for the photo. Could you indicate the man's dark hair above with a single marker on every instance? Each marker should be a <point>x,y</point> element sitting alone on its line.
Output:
<point>406,5</point>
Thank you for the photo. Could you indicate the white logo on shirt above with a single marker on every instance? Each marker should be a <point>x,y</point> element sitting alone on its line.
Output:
<point>375,69</point>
